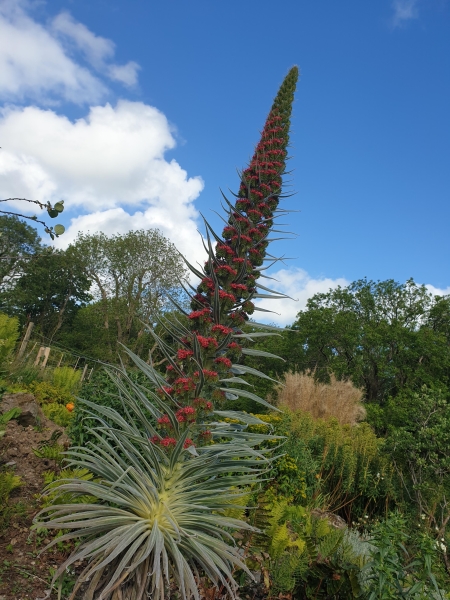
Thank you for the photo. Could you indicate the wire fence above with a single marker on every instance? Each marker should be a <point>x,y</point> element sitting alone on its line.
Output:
<point>39,352</point>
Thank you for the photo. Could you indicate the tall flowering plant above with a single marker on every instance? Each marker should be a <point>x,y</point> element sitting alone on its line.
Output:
<point>202,373</point>
<point>165,475</point>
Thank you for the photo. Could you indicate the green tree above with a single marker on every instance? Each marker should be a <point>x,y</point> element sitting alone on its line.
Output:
<point>18,241</point>
<point>133,274</point>
<point>418,443</point>
<point>51,289</point>
<point>384,336</point>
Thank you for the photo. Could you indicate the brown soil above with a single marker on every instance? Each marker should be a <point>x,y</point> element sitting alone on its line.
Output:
<point>24,573</point>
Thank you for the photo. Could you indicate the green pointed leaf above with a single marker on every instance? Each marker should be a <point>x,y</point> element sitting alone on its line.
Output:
<point>252,352</point>
<point>243,369</point>
<point>251,396</point>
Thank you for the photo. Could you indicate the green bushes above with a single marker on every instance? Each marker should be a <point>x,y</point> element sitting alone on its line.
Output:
<point>343,466</point>
<point>67,379</point>
<point>9,333</point>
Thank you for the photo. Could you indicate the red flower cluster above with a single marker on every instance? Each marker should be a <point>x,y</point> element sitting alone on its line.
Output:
<point>164,420</point>
<point>167,442</point>
<point>207,342</point>
<point>234,346</point>
<point>210,375</point>
<point>186,414</point>
<point>203,404</point>
<point>184,385</point>
<point>223,295</point>
<point>188,442</point>
<point>239,286</point>
<point>228,231</point>
<point>255,215</point>
<point>165,389</point>
<point>222,360</point>
<point>203,314</point>
<point>226,270</point>
<point>182,354</point>
<point>221,328</point>
<point>224,250</point>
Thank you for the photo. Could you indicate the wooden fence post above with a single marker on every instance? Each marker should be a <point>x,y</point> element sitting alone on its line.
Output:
<point>25,340</point>
<point>44,353</point>
<point>83,374</point>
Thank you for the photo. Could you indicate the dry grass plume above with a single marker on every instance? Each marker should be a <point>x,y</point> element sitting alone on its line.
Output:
<point>338,399</point>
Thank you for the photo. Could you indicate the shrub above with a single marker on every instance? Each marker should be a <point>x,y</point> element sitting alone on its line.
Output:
<point>47,393</point>
<point>66,379</point>
<point>9,333</point>
<point>306,556</point>
<point>418,443</point>
<point>402,565</point>
<point>57,413</point>
<point>342,467</point>
<point>338,399</point>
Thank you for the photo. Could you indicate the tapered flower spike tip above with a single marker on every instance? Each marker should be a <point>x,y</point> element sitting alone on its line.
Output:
<point>285,97</point>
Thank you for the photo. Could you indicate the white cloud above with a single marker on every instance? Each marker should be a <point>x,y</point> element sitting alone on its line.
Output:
<point>36,61</point>
<point>404,10</point>
<point>297,284</point>
<point>437,291</point>
<point>109,166</point>
<point>97,50</point>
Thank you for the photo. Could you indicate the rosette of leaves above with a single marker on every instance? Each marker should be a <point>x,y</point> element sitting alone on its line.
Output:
<point>158,515</point>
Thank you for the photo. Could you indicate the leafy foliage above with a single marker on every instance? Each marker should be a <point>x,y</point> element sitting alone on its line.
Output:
<point>342,466</point>
<point>309,557</point>
<point>67,379</point>
<point>384,336</point>
<point>9,332</point>
<point>419,446</point>
<point>393,571</point>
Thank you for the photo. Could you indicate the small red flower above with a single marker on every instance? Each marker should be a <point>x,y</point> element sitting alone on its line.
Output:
<point>184,385</point>
<point>221,328</point>
<point>239,286</point>
<point>210,375</point>
<point>222,360</point>
<point>223,250</point>
<point>207,342</point>
<point>164,420</point>
<point>186,414</point>
<point>204,314</point>
<point>223,295</point>
<point>168,442</point>
<point>226,270</point>
<point>165,389</point>
<point>188,442</point>
<point>182,354</point>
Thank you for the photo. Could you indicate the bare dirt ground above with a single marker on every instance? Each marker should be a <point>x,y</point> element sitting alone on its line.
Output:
<point>24,572</point>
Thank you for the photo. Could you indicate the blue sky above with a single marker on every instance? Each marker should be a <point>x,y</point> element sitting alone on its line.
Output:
<point>136,112</point>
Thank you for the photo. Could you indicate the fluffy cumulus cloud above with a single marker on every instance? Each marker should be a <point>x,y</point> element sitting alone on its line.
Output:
<point>37,61</point>
<point>437,291</point>
<point>109,166</point>
<point>404,11</point>
<point>297,284</point>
